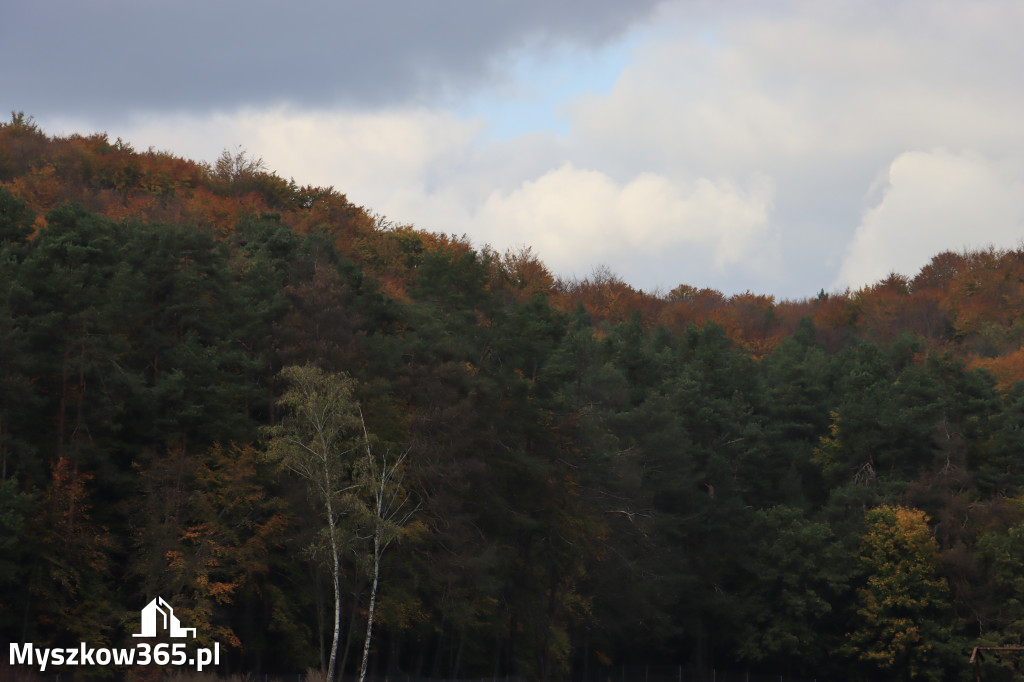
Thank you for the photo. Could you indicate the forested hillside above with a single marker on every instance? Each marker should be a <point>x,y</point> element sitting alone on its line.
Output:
<point>593,476</point>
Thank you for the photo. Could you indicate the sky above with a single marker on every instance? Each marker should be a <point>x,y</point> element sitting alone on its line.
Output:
<point>782,148</point>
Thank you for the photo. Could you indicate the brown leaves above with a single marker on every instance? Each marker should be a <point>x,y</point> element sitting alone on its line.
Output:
<point>212,525</point>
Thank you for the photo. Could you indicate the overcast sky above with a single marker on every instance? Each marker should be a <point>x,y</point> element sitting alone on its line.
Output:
<point>782,147</point>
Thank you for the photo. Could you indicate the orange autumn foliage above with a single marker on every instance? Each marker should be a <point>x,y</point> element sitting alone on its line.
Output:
<point>967,303</point>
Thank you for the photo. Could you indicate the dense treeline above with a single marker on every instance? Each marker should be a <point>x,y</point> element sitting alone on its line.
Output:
<point>599,476</point>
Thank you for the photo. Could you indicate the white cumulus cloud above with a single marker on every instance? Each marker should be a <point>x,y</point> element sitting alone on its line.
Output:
<point>932,202</point>
<point>732,145</point>
<point>577,218</point>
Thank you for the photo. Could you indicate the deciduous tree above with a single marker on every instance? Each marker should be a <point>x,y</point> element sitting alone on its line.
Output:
<point>315,441</point>
<point>903,611</point>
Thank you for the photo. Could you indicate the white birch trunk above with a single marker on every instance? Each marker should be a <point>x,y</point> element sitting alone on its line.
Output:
<point>377,551</point>
<point>336,571</point>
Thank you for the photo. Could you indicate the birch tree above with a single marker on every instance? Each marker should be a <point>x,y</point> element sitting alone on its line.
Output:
<point>385,509</point>
<point>315,441</point>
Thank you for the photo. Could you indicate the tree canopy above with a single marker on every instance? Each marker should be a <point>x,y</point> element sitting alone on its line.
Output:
<point>214,381</point>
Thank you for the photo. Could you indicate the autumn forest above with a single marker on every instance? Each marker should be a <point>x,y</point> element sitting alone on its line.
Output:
<point>518,475</point>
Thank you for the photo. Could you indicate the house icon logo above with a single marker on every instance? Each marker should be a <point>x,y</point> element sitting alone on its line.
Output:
<point>159,614</point>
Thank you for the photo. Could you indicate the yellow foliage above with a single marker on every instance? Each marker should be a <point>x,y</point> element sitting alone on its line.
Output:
<point>825,454</point>
<point>902,605</point>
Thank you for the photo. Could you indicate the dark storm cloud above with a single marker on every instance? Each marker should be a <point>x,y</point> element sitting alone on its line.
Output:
<point>111,57</point>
